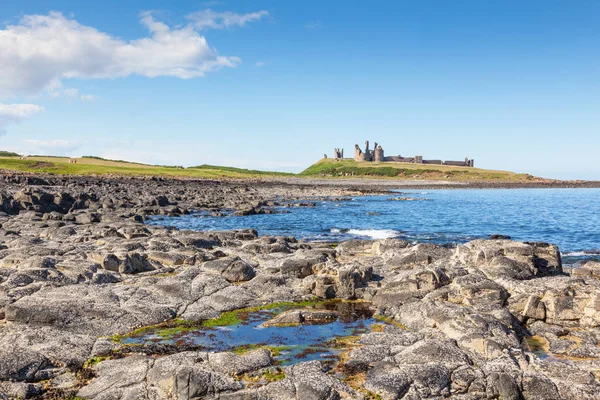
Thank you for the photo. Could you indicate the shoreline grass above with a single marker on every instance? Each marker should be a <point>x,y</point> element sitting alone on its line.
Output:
<point>97,166</point>
<point>323,169</point>
<point>330,168</point>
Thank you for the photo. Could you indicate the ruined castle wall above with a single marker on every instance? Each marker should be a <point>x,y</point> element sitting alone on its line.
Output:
<point>399,159</point>
<point>338,154</point>
<point>456,163</point>
<point>358,154</point>
<point>378,154</point>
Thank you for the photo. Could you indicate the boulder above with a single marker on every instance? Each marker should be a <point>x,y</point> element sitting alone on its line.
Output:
<point>387,381</point>
<point>508,259</point>
<point>234,269</point>
<point>421,254</point>
<point>351,279</point>
<point>234,364</point>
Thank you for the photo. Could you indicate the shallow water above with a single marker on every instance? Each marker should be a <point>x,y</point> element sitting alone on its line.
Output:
<point>569,218</point>
<point>305,342</point>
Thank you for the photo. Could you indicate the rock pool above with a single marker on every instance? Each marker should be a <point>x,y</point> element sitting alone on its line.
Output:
<point>321,334</point>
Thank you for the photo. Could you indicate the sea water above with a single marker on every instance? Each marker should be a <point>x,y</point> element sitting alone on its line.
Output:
<point>569,218</point>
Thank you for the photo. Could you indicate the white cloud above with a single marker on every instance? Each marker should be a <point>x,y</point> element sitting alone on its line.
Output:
<point>42,50</point>
<point>261,64</point>
<point>87,97</point>
<point>219,20</point>
<point>71,94</point>
<point>15,113</point>
<point>50,147</point>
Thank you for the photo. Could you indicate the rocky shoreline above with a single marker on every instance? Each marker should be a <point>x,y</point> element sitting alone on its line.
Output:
<point>493,319</point>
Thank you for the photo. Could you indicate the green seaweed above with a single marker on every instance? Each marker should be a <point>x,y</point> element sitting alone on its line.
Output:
<point>274,376</point>
<point>166,330</point>
<point>247,348</point>
<point>277,350</point>
<point>390,321</point>
<point>225,319</point>
<point>237,316</point>
<point>95,360</point>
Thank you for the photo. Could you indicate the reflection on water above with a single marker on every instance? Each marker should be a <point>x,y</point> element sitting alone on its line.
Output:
<point>307,341</point>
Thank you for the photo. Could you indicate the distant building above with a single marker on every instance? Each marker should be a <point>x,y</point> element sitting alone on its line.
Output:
<point>377,155</point>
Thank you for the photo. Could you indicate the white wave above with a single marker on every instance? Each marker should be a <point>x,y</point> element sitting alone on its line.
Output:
<point>374,233</point>
<point>581,253</point>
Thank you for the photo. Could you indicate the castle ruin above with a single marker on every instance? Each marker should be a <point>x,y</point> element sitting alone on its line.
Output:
<point>377,155</point>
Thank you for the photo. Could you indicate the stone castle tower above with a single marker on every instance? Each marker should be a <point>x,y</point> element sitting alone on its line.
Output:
<point>378,153</point>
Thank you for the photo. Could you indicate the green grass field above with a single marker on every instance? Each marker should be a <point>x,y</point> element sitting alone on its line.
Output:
<point>349,168</point>
<point>98,166</point>
<point>325,168</point>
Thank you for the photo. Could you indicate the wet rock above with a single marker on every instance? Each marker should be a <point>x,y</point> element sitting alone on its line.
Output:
<point>296,317</point>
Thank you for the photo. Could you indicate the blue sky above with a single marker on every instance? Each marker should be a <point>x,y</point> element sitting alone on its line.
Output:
<point>276,84</point>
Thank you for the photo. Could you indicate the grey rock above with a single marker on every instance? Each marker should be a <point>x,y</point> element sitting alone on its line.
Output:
<point>234,269</point>
<point>389,382</point>
<point>233,364</point>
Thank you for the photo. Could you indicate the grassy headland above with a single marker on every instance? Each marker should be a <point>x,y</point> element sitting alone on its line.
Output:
<point>329,167</point>
<point>99,166</point>
<point>325,168</point>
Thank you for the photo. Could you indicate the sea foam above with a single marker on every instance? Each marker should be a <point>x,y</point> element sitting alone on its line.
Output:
<point>371,233</point>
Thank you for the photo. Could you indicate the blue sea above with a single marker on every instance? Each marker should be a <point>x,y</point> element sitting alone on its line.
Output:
<point>569,218</point>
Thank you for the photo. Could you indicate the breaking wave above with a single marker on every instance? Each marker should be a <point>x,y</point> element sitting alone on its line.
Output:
<point>581,253</point>
<point>371,233</point>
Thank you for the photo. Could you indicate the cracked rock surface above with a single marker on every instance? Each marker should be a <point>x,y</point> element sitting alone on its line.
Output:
<point>489,319</point>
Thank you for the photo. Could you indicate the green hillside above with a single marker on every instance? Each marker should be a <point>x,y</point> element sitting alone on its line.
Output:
<point>331,168</point>
<point>325,168</point>
<point>90,165</point>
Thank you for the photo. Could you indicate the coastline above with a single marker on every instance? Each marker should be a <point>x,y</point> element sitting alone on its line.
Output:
<point>366,184</point>
<point>82,275</point>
